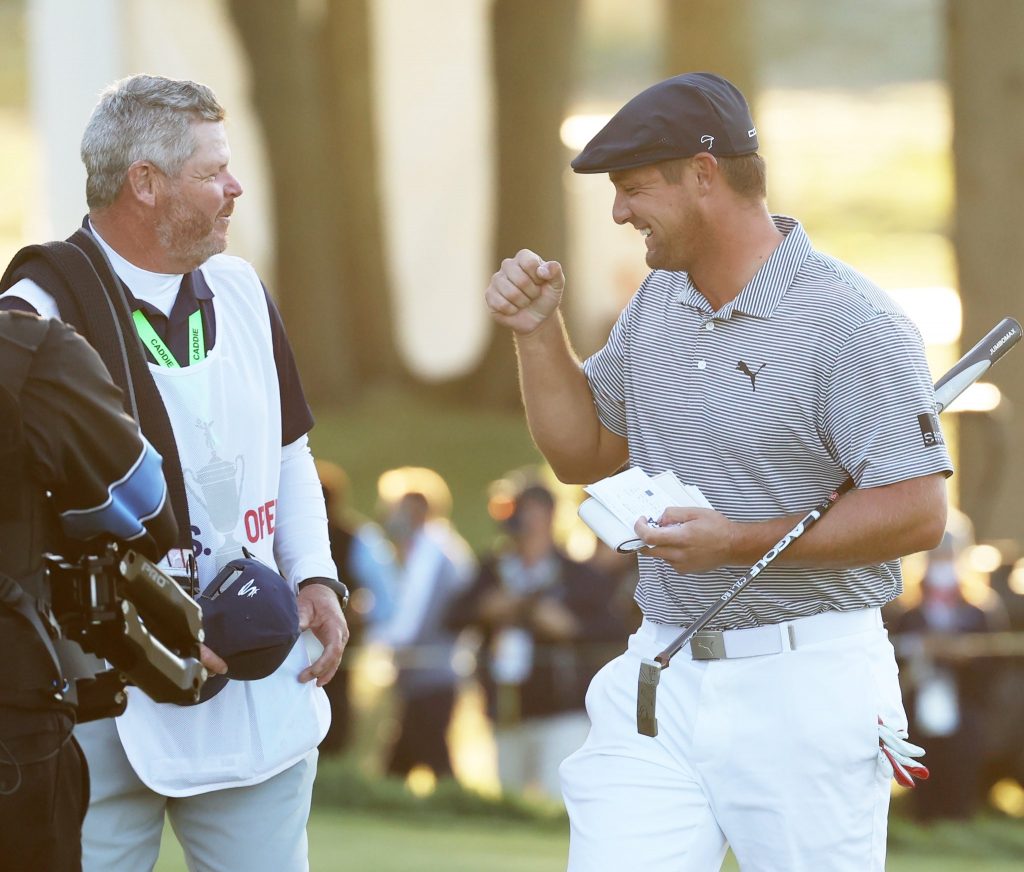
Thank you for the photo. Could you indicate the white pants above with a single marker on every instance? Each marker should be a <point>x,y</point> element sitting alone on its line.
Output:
<point>774,756</point>
<point>261,828</point>
<point>529,753</point>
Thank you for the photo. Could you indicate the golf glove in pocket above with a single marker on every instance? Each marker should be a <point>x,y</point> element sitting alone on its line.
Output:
<point>897,755</point>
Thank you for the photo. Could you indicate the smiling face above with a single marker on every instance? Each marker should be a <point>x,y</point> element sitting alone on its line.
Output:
<point>192,225</point>
<point>665,212</point>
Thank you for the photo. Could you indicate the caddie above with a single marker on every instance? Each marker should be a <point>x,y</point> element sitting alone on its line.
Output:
<point>199,350</point>
<point>765,373</point>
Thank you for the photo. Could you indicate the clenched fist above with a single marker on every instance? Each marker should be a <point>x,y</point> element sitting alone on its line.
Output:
<point>525,291</point>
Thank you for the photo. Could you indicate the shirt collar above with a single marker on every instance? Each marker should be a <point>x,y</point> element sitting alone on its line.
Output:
<point>768,286</point>
<point>192,291</point>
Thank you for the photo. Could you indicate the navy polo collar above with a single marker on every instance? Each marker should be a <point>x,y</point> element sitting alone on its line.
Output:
<point>192,291</point>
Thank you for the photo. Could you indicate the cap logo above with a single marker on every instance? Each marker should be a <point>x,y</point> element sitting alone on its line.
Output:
<point>248,589</point>
<point>709,140</point>
<point>752,133</point>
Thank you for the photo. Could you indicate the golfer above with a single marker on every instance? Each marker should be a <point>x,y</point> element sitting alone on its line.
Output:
<point>765,373</point>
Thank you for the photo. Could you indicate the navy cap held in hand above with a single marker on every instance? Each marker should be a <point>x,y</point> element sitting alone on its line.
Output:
<point>251,621</point>
<point>679,117</point>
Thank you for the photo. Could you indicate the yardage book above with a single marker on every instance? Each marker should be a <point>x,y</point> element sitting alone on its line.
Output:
<point>615,503</point>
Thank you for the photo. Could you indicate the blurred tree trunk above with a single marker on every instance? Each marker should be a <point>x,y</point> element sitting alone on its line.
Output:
<point>712,36</point>
<point>352,181</point>
<point>534,44</point>
<point>986,74</point>
<point>288,100</point>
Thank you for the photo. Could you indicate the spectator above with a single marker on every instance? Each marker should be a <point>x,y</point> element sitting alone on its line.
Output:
<point>365,562</point>
<point>625,572</point>
<point>949,693</point>
<point>543,617</point>
<point>433,565</point>
<point>1004,743</point>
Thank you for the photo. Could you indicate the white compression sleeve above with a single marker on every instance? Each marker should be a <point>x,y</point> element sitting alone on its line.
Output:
<point>301,545</point>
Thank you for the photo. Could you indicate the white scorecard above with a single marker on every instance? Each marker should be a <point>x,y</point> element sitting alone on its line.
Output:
<point>615,503</point>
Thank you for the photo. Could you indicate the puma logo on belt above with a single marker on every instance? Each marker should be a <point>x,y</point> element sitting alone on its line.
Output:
<point>742,367</point>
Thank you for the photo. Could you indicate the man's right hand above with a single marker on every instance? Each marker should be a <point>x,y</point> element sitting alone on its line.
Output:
<point>525,291</point>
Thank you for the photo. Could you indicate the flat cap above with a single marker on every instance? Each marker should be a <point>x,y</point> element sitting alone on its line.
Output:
<point>679,117</point>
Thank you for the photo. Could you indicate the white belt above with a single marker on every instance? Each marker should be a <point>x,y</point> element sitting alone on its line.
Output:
<point>772,638</point>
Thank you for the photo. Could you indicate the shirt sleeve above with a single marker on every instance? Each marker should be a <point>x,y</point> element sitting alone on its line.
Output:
<point>105,478</point>
<point>26,296</point>
<point>302,547</point>
<point>296,416</point>
<point>879,418</point>
<point>606,373</point>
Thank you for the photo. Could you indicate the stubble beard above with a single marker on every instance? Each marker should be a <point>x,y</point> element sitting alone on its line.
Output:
<point>189,236</point>
<point>691,237</point>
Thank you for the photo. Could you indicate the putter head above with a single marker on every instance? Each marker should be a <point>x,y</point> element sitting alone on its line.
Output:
<point>647,698</point>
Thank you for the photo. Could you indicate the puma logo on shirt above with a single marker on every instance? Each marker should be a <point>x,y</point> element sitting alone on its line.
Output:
<point>742,367</point>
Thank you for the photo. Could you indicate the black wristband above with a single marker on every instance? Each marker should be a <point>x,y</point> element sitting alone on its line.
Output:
<point>338,587</point>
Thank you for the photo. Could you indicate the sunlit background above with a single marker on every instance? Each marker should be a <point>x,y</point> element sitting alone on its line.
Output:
<point>393,151</point>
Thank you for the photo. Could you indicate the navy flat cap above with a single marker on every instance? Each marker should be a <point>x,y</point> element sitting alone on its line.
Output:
<point>680,117</point>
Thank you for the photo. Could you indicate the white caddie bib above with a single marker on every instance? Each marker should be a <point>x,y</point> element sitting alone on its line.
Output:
<point>226,416</point>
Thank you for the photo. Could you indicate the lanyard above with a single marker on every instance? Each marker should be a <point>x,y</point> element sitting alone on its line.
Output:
<point>158,348</point>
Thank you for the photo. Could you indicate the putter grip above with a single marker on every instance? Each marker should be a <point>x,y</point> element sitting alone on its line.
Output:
<point>992,346</point>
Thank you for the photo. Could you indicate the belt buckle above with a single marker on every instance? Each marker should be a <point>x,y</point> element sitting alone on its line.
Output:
<point>708,645</point>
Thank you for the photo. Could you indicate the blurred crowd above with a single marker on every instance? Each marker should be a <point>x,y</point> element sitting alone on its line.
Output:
<point>958,631</point>
<point>524,625</point>
<point>521,629</point>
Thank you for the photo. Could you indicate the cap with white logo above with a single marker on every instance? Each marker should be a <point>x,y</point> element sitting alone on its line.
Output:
<point>250,620</point>
<point>679,117</point>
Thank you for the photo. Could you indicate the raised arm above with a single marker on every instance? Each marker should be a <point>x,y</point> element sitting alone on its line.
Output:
<point>525,295</point>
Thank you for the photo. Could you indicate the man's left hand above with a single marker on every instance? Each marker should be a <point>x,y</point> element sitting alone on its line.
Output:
<point>689,539</point>
<point>320,611</point>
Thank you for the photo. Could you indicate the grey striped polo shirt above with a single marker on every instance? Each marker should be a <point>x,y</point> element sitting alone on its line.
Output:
<point>810,375</point>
